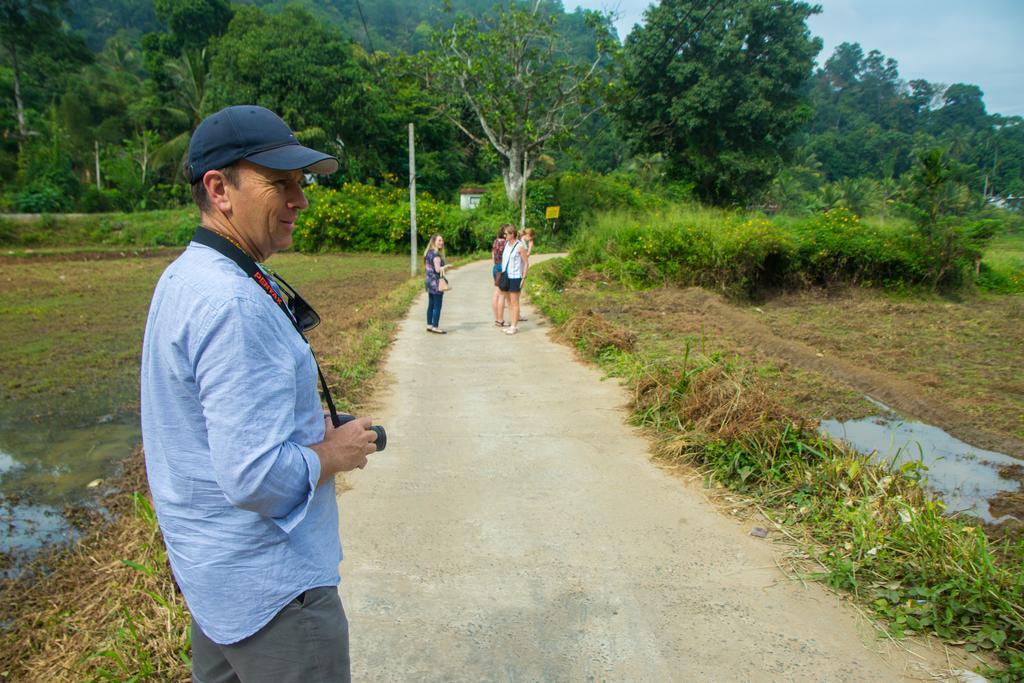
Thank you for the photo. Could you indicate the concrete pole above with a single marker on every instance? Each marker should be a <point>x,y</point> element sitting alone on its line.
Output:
<point>522,203</point>
<point>412,203</point>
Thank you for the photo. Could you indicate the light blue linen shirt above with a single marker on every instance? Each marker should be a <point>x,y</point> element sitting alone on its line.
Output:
<point>229,405</point>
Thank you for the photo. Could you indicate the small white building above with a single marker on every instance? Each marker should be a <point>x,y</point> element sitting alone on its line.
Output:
<point>469,197</point>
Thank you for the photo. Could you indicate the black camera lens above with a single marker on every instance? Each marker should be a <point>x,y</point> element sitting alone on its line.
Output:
<point>382,436</point>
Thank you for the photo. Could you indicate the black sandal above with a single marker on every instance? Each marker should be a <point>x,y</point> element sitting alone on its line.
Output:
<point>500,323</point>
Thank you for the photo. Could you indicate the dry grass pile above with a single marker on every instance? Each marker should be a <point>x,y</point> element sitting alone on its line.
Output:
<point>704,400</point>
<point>105,609</point>
<point>592,334</point>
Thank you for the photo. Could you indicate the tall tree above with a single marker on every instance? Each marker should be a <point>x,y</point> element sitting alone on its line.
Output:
<point>523,91</point>
<point>305,71</point>
<point>963,105</point>
<point>177,58</point>
<point>869,122</point>
<point>192,23</point>
<point>99,20</point>
<point>717,88</point>
<point>28,27</point>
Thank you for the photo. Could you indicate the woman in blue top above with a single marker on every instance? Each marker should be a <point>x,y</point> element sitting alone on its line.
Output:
<point>433,262</point>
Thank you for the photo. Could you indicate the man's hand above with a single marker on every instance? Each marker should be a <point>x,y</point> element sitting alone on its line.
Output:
<point>346,447</point>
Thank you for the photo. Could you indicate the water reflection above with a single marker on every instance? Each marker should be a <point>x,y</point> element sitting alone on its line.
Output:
<point>7,463</point>
<point>964,477</point>
<point>28,528</point>
<point>56,464</point>
<point>44,468</point>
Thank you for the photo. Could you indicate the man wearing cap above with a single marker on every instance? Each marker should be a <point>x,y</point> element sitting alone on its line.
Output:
<point>240,458</point>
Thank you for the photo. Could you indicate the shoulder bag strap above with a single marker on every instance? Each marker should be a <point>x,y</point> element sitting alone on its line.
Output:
<point>512,253</point>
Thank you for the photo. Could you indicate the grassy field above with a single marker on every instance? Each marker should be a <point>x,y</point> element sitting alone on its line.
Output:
<point>1004,256</point>
<point>72,333</point>
<point>71,330</point>
<point>964,354</point>
<point>97,232</point>
<point>734,390</point>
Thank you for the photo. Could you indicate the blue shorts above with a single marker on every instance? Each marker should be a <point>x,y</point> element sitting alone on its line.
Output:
<point>495,270</point>
<point>514,285</point>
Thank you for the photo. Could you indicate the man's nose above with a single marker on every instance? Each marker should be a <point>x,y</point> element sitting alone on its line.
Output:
<point>298,200</point>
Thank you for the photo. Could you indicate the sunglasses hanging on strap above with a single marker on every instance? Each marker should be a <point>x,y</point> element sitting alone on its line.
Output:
<point>302,316</point>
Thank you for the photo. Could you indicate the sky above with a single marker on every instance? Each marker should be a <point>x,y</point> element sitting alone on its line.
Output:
<point>942,41</point>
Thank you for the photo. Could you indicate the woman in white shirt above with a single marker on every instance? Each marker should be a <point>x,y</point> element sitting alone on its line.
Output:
<point>515,261</point>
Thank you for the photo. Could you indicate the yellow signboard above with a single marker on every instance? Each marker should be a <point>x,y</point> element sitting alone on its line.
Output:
<point>552,212</point>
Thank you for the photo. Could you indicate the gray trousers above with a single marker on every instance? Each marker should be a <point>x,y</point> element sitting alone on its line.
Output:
<point>306,642</point>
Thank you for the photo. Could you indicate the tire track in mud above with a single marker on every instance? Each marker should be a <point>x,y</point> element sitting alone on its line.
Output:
<point>903,396</point>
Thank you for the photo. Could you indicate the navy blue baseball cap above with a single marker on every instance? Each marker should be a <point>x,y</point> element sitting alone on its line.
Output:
<point>255,134</point>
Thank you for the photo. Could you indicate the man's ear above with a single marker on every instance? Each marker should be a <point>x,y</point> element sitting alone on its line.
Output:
<point>217,190</point>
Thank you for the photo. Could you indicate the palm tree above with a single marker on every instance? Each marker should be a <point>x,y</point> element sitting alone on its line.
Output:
<point>649,169</point>
<point>859,195</point>
<point>190,74</point>
<point>829,196</point>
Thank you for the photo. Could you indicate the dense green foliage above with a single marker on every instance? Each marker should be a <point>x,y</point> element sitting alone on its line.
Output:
<point>376,218</point>
<point>163,228</point>
<point>870,128</point>
<point>103,97</point>
<point>746,253</point>
<point>717,92</point>
<point>308,75</point>
<point>361,217</point>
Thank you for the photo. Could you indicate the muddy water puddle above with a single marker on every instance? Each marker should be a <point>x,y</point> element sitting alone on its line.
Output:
<point>44,469</point>
<point>965,477</point>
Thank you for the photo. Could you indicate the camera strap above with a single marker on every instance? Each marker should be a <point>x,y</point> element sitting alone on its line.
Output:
<point>226,247</point>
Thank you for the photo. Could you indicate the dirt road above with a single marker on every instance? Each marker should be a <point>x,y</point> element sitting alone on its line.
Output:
<point>516,530</point>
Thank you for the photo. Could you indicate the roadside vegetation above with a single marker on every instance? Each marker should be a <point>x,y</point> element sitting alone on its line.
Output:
<point>107,609</point>
<point>746,420</point>
<point>746,254</point>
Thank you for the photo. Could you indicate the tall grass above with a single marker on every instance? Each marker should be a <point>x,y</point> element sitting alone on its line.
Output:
<point>868,529</point>
<point>745,253</point>
<point>1002,269</point>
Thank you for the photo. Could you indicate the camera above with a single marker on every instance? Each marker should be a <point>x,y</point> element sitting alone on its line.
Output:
<point>382,436</point>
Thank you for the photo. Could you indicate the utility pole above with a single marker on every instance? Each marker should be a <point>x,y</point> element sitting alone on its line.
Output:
<point>96,149</point>
<point>522,204</point>
<point>412,202</point>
